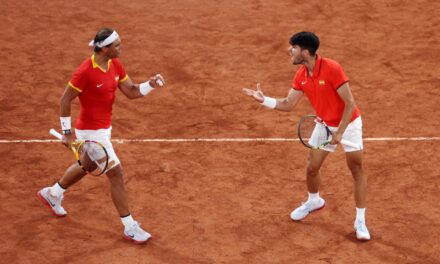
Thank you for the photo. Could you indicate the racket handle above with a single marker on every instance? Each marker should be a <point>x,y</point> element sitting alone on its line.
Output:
<point>54,133</point>
<point>350,144</point>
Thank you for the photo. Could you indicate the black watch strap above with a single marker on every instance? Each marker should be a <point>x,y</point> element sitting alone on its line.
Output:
<point>66,132</point>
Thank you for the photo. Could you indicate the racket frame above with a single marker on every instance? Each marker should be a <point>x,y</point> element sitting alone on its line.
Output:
<point>328,131</point>
<point>76,145</point>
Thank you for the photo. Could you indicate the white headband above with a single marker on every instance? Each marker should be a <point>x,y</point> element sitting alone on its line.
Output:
<point>109,40</point>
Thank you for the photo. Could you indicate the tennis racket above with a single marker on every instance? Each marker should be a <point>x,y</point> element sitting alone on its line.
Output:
<point>90,155</point>
<point>315,134</point>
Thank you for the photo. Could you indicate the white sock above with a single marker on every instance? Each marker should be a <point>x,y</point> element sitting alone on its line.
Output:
<point>56,190</point>
<point>313,197</point>
<point>127,221</point>
<point>360,214</point>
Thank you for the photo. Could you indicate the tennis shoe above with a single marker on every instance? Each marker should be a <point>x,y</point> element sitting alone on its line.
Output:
<point>361,231</point>
<point>136,234</point>
<point>53,202</point>
<point>306,208</point>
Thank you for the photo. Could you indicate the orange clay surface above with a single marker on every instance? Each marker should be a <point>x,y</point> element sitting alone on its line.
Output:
<point>222,202</point>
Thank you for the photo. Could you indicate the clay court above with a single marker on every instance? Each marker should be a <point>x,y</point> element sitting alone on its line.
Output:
<point>222,201</point>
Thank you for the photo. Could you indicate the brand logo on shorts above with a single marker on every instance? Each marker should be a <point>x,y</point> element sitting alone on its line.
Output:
<point>303,82</point>
<point>99,85</point>
<point>117,78</point>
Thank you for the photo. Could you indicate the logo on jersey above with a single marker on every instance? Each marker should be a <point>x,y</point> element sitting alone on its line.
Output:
<point>321,82</point>
<point>303,82</point>
<point>99,85</point>
<point>117,78</point>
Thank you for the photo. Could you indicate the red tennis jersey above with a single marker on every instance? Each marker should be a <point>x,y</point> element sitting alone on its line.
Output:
<point>97,89</point>
<point>321,89</point>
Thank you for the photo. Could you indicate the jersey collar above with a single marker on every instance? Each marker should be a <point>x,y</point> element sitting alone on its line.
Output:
<point>95,65</point>
<point>316,68</point>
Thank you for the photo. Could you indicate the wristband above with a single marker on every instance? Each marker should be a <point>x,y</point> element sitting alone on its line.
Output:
<point>269,102</point>
<point>145,88</point>
<point>65,122</point>
<point>66,132</point>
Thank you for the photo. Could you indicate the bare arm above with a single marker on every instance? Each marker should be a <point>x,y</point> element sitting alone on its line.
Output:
<point>65,109</point>
<point>66,100</point>
<point>286,104</point>
<point>131,90</point>
<point>346,96</point>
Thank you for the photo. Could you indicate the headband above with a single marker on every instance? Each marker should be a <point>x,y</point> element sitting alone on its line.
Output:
<point>109,40</point>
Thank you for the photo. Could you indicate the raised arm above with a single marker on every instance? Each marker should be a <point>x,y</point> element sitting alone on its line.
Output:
<point>286,104</point>
<point>133,90</point>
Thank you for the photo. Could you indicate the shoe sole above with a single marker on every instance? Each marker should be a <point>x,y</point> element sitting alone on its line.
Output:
<point>317,209</point>
<point>46,203</point>
<point>135,241</point>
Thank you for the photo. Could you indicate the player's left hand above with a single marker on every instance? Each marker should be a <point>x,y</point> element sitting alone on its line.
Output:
<point>157,81</point>
<point>336,138</point>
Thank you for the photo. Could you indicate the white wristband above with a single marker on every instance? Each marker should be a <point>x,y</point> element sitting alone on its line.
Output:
<point>65,122</point>
<point>269,102</point>
<point>145,88</point>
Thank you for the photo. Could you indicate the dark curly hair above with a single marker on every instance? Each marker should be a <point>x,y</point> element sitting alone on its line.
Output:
<point>306,40</point>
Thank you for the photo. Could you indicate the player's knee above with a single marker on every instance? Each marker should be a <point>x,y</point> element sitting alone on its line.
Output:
<point>115,172</point>
<point>356,169</point>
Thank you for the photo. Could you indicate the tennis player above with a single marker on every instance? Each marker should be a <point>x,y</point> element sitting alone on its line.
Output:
<point>95,83</point>
<point>325,84</point>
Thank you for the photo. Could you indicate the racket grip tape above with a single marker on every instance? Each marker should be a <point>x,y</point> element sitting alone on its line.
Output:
<point>54,133</point>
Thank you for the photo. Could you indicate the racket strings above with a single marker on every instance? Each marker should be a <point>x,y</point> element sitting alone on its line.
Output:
<point>93,157</point>
<point>313,132</point>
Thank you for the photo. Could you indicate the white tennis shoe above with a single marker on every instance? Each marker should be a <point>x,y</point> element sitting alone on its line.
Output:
<point>361,231</point>
<point>136,234</point>
<point>53,202</point>
<point>306,208</point>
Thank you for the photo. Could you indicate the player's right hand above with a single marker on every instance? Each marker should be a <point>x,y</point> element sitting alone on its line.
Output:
<point>67,140</point>
<point>256,94</point>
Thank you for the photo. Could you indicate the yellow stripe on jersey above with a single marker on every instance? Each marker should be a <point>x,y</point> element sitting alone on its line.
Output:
<point>74,87</point>
<point>124,79</point>
<point>95,65</point>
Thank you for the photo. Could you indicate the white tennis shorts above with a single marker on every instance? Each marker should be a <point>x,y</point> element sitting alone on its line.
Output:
<point>352,134</point>
<point>102,136</point>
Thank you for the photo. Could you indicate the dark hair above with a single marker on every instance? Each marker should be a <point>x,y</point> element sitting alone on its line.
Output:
<point>306,40</point>
<point>100,36</point>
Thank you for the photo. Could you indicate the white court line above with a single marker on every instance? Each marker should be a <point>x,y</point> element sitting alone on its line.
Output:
<point>122,141</point>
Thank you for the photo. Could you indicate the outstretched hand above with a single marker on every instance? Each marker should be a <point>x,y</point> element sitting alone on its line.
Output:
<point>256,94</point>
